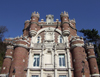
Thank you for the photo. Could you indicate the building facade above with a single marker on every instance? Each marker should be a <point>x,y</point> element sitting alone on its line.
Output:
<point>49,49</point>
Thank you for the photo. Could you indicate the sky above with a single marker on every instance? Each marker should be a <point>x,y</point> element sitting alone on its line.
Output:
<point>13,13</point>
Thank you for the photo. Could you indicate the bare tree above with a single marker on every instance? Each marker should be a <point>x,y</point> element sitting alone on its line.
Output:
<point>3,29</point>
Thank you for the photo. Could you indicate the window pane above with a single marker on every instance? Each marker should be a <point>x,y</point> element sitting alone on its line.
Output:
<point>36,60</point>
<point>62,75</point>
<point>61,60</point>
<point>60,39</point>
<point>34,76</point>
<point>38,39</point>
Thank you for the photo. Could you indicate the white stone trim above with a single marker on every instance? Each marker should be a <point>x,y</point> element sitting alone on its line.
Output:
<point>46,29</point>
<point>68,58</point>
<point>91,56</point>
<point>77,40</point>
<point>66,32</point>
<point>3,75</point>
<point>23,40</point>
<point>33,32</point>
<point>51,29</point>
<point>7,56</point>
<point>22,45</point>
<point>95,74</point>
<point>9,47</point>
<point>76,45</point>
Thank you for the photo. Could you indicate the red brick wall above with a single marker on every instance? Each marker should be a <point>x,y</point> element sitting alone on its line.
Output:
<point>20,54</point>
<point>7,61</point>
<point>92,62</point>
<point>79,55</point>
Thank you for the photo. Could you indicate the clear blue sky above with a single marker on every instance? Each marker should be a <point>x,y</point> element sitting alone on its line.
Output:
<point>13,13</point>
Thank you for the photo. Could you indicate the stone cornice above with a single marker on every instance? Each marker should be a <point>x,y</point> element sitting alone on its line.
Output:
<point>95,75</point>
<point>22,40</point>
<point>91,56</point>
<point>35,23</point>
<point>64,23</point>
<point>77,40</point>
<point>76,45</point>
<point>36,69</point>
<point>21,45</point>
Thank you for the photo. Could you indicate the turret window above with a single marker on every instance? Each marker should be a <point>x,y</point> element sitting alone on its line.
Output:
<point>36,60</point>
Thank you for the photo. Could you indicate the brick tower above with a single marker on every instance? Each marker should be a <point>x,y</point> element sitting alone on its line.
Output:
<point>49,48</point>
<point>92,60</point>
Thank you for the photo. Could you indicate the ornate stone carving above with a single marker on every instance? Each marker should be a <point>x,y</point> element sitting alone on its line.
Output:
<point>49,36</point>
<point>33,32</point>
<point>49,19</point>
<point>66,32</point>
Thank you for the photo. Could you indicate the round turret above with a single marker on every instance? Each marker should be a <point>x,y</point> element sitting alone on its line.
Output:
<point>7,60</point>
<point>80,63</point>
<point>20,58</point>
<point>34,23</point>
<point>92,60</point>
<point>65,23</point>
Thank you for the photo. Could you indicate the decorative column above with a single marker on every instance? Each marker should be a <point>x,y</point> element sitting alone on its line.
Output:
<point>92,60</point>
<point>42,60</point>
<point>65,23</point>
<point>80,63</point>
<point>69,62</point>
<point>18,68</point>
<point>34,23</point>
<point>7,61</point>
<point>55,61</point>
<point>25,30</point>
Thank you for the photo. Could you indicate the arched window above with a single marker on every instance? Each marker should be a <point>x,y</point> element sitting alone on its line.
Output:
<point>39,39</point>
<point>60,39</point>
